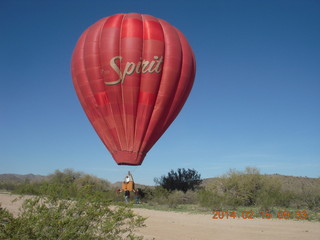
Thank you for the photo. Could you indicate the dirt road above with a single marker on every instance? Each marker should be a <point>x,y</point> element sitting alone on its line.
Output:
<point>183,226</point>
<point>176,226</point>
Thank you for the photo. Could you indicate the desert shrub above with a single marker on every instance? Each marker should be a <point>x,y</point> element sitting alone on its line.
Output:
<point>270,194</point>
<point>176,198</point>
<point>308,197</point>
<point>7,186</point>
<point>313,200</point>
<point>241,189</point>
<point>247,188</point>
<point>155,196</point>
<point>50,218</point>
<point>68,185</point>
<point>211,199</point>
<point>97,183</point>
<point>28,188</point>
<point>68,176</point>
<point>160,196</point>
<point>190,197</point>
<point>5,218</point>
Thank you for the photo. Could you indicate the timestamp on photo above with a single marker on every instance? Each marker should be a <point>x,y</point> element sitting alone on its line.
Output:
<point>250,214</point>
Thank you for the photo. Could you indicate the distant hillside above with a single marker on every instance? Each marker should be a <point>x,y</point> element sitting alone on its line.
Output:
<point>19,178</point>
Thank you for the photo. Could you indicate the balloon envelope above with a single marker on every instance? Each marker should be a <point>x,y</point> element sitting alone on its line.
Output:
<point>132,74</point>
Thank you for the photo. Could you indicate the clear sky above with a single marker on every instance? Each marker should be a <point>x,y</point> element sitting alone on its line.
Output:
<point>255,101</point>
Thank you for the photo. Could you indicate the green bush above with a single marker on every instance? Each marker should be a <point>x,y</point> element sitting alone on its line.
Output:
<point>7,186</point>
<point>176,198</point>
<point>211,199</point>
<point>160,196</point>
<point>308,197</point>
<point>156,196</point>
<point>247,188</point>
<point>68,185</point>
<point>50,218</point>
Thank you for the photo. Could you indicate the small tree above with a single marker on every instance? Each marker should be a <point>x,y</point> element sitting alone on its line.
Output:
<point>181,179</point>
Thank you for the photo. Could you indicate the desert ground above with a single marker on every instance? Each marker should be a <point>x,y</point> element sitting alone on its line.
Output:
<point>163,225</point>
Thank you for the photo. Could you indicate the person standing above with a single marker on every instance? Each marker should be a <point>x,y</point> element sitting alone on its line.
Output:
<point>137,196</point>
<point>127,196</point>
<point>127,180</point>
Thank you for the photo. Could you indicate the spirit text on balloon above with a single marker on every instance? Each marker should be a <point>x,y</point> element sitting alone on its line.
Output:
<point>143,66</point>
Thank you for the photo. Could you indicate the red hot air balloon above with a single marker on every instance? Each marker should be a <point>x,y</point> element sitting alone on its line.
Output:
<point>132,74</point>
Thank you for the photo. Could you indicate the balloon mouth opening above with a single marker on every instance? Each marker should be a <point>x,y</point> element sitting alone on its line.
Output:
<point>128,158</point>
<point>129,164</point>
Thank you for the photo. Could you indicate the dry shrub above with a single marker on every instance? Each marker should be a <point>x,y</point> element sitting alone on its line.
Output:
<point>52,218</point>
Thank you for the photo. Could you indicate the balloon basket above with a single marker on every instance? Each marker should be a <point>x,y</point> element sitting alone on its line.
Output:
<point>128,186</point>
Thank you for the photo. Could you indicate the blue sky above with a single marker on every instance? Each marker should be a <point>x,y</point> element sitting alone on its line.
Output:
<point>255,101</point>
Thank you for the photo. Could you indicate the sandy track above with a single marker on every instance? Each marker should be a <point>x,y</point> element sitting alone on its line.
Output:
<point>163,225</point>
<point>176,226</point>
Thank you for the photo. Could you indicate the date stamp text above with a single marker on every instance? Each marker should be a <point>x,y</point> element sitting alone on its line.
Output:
<point>249,214</point>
